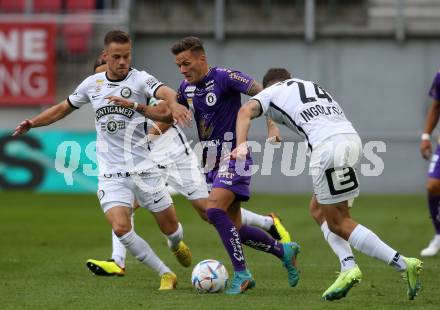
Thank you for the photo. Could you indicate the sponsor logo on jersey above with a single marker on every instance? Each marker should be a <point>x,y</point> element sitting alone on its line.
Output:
<point>111,85</point>
<point>210,143</point>
<point>189,91</point>
<point>238,77</point>
<point>151,82</point>
<point>98,85</point>
<point>125,92</point>
<point>209,86</point>
<point>190,88</point>
<point>211,99</point>
<point>113,109</point>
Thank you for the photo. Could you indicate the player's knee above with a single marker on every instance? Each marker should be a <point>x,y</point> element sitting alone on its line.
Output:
<point>433,187</point>
<point>121,229</point>
<point>217,204</point>
<point>204,216</point>
<point>336,227</point>
<point>316,214</point>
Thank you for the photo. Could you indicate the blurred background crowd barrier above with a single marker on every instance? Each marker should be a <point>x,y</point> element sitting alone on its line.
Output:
<point>377,58</point>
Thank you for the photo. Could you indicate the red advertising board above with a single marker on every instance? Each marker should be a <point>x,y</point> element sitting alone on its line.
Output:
<point>27,61</point>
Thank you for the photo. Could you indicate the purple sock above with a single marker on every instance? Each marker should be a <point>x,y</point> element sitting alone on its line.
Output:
<point>434,209</point>
<point>229,235</point>
<point>259,240</point>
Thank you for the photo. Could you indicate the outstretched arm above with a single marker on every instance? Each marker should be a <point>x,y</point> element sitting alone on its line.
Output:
<point>159,112</point>
<point>430,123</point>
<point>45,118</point>
<point>248,111</point>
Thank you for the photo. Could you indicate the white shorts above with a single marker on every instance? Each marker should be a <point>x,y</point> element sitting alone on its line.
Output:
<point>185,176</point>
<point>121,189</point>
<point>332,165</point>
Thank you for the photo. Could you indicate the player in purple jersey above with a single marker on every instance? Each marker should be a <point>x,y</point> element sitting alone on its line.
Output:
<point>433,183</point>
<point>215,94</point>
<point>198,197</point>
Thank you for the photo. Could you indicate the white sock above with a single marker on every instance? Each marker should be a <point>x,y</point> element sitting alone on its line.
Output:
<point>119,252</point>
<point>174,238</point>
<point>143,252</point>
<point>341,248</point>
<point>257,220</point>
<point>367,242</point>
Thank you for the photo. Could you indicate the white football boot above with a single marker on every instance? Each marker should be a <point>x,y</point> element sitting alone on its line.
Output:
<point>433,247</point>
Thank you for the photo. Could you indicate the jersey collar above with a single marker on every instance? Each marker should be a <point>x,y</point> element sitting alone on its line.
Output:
<point>118,80</point>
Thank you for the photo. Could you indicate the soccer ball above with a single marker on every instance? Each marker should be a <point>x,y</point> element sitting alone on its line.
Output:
<point>209,276</point>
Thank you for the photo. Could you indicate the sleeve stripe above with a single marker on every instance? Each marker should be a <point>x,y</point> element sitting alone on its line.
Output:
<point>261,107</point>
<point>70,103</point>
<point>155,91</point>
<point>250,87</point>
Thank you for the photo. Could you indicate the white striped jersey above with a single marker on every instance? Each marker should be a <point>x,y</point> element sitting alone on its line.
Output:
<point>121,144</point>
<point>305,108</point>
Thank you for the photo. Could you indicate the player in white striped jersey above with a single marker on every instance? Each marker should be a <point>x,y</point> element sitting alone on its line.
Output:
<point>125,169</point>
<point>307,109</point>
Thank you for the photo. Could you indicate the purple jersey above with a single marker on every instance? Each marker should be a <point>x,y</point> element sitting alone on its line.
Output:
<point>216,100</point>
<point>434,91</point>
<point>434,165</point>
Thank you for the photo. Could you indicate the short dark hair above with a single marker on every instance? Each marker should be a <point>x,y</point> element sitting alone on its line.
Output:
<point>274,75</point>
<point>98,62</point>
<point>117,36</point>
<point>194,44</point>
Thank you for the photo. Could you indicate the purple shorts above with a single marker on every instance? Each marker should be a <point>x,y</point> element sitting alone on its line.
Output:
<point>434,165</point>
<point>233,176</point>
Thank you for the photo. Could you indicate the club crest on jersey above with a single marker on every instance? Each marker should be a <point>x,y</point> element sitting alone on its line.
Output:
<point>112,126</point>
<point>125,92</point>
<point>98,85</point>
<point>211,99</point>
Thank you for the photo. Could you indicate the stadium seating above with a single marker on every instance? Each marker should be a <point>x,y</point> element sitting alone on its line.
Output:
<point>80,5</point>
<point>12,6</point>
<point>47,6</point>
<point>77,36</point>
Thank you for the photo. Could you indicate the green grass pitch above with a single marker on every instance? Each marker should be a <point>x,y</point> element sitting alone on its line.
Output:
<point>46,239</point>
